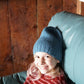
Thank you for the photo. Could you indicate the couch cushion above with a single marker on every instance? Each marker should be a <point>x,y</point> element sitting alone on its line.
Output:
<point>17,78</point>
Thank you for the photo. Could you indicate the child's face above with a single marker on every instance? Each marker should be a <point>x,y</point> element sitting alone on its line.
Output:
<point>44,62</point>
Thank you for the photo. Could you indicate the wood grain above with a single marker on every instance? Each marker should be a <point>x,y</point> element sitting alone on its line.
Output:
<point>45,10</point>
<point>6,61</point>
<point>78,7</point>
<point>70,6</point>
<point>22,20</point>
<point>82,8</point>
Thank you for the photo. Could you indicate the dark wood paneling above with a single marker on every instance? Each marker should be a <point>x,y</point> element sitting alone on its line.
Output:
<point>70,5</point>
<point>82,8</point>
<point>22,20</point>
<point>45,10</point>
<point>6,61</point>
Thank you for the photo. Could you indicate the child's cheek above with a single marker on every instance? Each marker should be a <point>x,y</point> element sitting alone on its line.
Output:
<point>51,63</point>
<point>36,62</point>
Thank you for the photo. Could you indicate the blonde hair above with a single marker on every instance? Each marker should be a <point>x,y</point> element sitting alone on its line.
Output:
<point>34,73</point>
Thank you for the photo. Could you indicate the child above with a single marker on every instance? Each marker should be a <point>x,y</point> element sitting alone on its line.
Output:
<point>47,53</point>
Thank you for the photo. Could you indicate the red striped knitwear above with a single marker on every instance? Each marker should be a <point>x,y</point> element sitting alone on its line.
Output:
<point>47,80</point>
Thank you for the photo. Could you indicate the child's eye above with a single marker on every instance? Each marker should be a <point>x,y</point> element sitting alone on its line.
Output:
<point>47,56</point>
<point>37,57</point>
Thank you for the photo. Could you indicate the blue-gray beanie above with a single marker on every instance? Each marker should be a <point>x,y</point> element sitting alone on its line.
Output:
<point>50,41</point>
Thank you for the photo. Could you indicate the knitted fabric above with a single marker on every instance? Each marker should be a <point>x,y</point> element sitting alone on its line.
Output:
<point>50,41</point>
<point>47,80</point>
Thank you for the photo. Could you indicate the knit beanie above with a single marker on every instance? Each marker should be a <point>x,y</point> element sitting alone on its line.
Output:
<point>50,41</point>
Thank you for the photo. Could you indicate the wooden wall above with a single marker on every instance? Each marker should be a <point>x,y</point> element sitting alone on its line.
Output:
<point>21,22</point>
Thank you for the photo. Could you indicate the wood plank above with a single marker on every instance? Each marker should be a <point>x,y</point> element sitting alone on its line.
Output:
<point>22,20</point>
<point>82,8</point>
<point>78,7</point>
<point>70,5</point>
<point>45,10</point>
<point>6,61</point>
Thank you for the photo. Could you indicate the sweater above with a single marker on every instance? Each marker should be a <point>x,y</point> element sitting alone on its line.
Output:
<point>47,80</point>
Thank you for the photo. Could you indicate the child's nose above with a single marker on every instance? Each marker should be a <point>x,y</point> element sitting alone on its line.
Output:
<point>42,61</point>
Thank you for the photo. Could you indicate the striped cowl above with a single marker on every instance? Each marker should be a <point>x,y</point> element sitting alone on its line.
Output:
<point>46,80</point>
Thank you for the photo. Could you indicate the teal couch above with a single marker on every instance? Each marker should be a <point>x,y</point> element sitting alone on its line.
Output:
<point>17,78</point>
<point>72,27</point>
